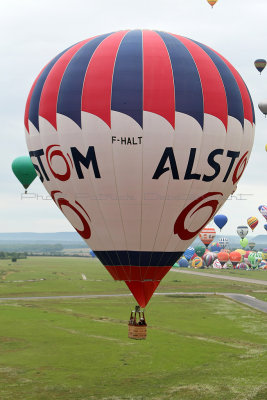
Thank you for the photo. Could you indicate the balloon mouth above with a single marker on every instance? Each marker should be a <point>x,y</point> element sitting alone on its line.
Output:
<point>142,281</point>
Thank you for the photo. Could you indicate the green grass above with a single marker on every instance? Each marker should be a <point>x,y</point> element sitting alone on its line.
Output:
<point>198,347</point>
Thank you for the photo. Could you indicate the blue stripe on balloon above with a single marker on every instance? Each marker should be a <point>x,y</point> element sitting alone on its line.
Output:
<point>70,92</point>
<point>233,95</point>
<point>36,95</point>
<point>127,88</point>
<point>188,89</point>
<point>138,258</point>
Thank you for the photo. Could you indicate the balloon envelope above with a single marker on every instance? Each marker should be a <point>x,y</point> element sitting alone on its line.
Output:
<point>118,125</point>
<point>260,64</point>
<point>208,258</point>
<point>223,257</point>
<point>251,245</point>
<point>263,210</point>
<point>220,220</point>
<point>212,2</point>
<point>242,231</point>
<point>252,222</point>
<point>200,250</point>
<point>183,263</point>
<point>189,253</point>
<point>215,247</point>
<point>197,262</point>
<point>207,235</point>
<point>263,107</point>
<point>235,257</point>
<point>24,170</point>
<point>244,242</point>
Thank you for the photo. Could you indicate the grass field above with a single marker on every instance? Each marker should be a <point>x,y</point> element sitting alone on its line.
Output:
<point>198,347</point>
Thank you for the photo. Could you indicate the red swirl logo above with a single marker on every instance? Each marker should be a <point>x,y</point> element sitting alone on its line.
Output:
<point>191,209</point>
<point>241,164</point>
<point>81,213</point>
<point>50,154</point>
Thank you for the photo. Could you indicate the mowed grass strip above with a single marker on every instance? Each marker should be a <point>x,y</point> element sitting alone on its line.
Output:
<point>197,348</point>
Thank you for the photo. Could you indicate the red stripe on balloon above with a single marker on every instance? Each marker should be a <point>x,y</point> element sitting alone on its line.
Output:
<point>96,96</point>
<point>49,96</point>
<point>214,96</point>
<point>159,97</point>
<point>248,113</point>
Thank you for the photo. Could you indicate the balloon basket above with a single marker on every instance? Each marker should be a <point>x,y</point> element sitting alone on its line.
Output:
<point>137,327</point>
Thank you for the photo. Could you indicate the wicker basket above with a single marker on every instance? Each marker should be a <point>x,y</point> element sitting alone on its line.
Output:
<point>137,332</point>
<point>137,328</point>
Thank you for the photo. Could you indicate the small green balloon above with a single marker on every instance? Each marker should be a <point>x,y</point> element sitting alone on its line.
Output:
<point>244,242</point>
<point>24,170</point>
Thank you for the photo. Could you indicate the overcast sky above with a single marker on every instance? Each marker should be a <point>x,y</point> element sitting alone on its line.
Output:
<point>34,31</point>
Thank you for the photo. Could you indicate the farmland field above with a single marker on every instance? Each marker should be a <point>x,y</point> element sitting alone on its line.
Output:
<point>198,347</point>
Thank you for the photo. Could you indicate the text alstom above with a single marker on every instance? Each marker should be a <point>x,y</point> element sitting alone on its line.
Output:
<point>218,160</point>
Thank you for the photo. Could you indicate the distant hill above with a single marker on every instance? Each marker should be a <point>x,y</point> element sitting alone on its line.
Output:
<point>72,239</point>
<point>33,237</point>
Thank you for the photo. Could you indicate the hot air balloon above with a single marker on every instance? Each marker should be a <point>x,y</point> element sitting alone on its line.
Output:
<point>200,250</point>
<point>260,64</point>
<point>252,222</point>
<point>251,245</point>
<point>183,263</point>
<point>133,121</point>
<point>235,258</point>
<point>266,147</point>
<point>244,242</point>
<point>212,2</point>
<point>197,262</point>
<point>263,107</point>
<point>223,242</point>
<point>220,220</point>
<point>242,266</point>
<point>242,231</point>
<point>215,247</point>
<point>263,211</point>
<point>207,235</point>
<point>223,257</point>
<point>255,259</point>
<point>189,253</point>
<point>216,264</point>
<point>208,258</point>
<point>24,171</point>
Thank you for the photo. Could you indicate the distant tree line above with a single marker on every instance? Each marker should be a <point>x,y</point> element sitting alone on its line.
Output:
<point>31,248</point>
<point>4,255</point>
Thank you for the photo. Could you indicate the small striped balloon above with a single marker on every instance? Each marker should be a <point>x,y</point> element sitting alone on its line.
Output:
<point>252,222</point>
<point>260,64</point>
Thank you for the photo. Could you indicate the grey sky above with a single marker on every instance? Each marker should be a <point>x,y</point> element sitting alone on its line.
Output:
<point>34,31</point>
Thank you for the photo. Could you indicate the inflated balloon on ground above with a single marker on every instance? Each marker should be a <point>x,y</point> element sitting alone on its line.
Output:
<point>154,130</point>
